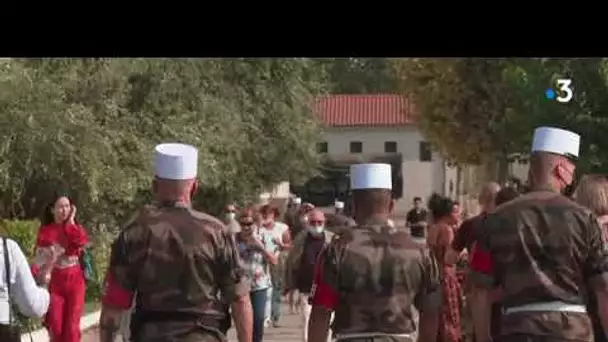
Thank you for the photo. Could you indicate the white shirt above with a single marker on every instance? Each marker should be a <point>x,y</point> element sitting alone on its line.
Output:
<point>277,231</point>
<point>31,300</point>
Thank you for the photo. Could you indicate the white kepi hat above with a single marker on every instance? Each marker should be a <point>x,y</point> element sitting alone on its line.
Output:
<point>175,161</point>
<point>370,176</point>
<point>339,205</point>
<point>556,140</point>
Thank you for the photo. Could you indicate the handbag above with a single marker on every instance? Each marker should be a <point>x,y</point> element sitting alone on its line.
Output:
<point>87,265</point>
<point>10,332</point>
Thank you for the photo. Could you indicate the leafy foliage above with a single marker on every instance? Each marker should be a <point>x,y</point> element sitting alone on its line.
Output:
<point>23,232</point>
<point>360,75</point>
<point>484,111</point>
<point>464,105</point>
<point>89,125</point>
<point>585,114</point>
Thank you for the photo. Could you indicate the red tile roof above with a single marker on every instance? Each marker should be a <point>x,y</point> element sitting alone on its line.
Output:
<point>364,110</point>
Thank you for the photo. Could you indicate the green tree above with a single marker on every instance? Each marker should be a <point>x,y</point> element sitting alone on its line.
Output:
<point>484,111</point>
<point>90,125</point>
<point>584,114</point>
<point>465,108</point>
<point>360,75</point>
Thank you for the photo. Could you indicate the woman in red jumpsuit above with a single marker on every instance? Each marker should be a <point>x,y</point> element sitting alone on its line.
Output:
<point>60,231</point>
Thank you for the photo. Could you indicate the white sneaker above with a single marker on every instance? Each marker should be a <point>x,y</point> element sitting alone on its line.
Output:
<point>267,323</point>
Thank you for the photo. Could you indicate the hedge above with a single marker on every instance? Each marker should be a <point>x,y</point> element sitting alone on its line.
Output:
<point>24,232</point>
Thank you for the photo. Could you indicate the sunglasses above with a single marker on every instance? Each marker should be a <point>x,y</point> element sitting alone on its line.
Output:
<point>246,224</point>
<point>316,223</point>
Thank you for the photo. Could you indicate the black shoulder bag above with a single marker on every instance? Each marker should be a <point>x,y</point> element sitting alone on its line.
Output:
<point>10,332</point>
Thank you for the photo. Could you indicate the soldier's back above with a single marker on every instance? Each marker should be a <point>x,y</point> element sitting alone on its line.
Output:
<point>381,274</point>
<point>539,245</point>
<point>178,258</point>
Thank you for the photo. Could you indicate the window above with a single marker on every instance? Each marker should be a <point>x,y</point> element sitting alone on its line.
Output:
<point>390,147</point>
<point>426,155</point>
<point>322,147</point>
<point>356,147</point>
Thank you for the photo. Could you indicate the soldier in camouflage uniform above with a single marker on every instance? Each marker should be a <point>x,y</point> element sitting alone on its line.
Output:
<point>337,221</point>
<point>375,278</point>
<point>177,262</point>
<point>543,250</point>
<point>292,215</point>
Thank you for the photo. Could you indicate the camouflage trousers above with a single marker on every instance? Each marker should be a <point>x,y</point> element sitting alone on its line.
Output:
<point>466,321</point>
<point>530,338</point>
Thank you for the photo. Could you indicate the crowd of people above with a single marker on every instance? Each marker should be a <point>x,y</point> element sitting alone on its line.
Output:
<point>532,266</point>
<point>279,257</point>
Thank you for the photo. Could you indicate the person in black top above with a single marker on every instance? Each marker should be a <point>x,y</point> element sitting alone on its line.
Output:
<point>416,219</point>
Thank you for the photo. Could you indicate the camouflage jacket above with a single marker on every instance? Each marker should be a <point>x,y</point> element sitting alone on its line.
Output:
<point>336,223</point>
<point>543,248</point>
<point>380,275</point>
<point>184,268</point>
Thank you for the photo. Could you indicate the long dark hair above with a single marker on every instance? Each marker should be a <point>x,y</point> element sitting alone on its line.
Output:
<point>440,206</point>
<point>47,215</point>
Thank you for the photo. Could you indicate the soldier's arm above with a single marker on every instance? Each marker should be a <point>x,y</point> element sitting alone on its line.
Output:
<point>428,299</point>
<point>323,296</point>
<point>119,287</point>
<point>595,270</point>
<point>482,280</point>
<point>234,287</point>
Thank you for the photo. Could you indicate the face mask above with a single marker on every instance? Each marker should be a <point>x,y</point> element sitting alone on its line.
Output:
<point>317,230</point>
<point>230,216</point>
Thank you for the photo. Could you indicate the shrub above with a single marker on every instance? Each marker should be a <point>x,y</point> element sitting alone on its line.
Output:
<point>101,248</point>
<point>23,232</point>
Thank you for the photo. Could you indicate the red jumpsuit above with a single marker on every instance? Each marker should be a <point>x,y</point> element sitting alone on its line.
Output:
<point>67,286</point>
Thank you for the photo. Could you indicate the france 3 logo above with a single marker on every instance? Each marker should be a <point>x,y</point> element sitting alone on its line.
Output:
<point>564,91</point>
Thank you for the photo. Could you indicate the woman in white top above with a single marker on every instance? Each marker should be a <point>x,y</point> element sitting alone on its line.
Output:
<point>279,233</point>
<point>31,299</point>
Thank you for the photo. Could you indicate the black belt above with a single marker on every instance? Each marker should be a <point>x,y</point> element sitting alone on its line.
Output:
<point>145,316</point>
<point>214,325</point>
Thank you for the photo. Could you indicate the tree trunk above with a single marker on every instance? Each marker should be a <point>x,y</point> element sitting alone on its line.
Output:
<point>503,169</point>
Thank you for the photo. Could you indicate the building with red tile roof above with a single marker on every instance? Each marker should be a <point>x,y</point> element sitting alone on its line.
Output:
<point>362,128</point>
<point>366,110</point>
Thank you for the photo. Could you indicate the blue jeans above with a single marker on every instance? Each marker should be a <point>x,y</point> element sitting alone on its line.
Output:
<point>276,299</point>
<point>258,306</point>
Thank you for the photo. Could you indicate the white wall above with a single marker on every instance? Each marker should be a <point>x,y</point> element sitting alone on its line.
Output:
<point>279,191</point>
<point>419,178</point>
<point>519,170</point>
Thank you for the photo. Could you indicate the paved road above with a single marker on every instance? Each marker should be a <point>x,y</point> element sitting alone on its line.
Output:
<point>290,331</point>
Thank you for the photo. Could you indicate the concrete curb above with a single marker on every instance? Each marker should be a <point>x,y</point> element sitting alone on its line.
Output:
<point>40,335</point>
